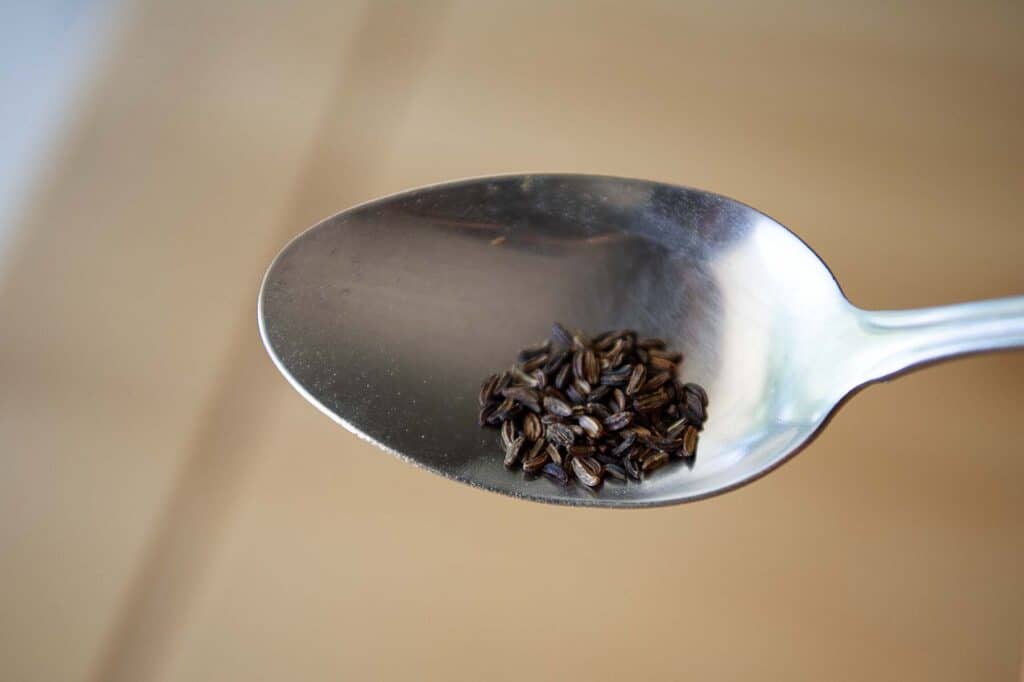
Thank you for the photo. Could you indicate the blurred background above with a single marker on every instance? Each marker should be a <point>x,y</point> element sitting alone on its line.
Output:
<point>171,510</point>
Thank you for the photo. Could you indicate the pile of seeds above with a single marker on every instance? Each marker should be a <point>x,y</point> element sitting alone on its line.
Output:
<point>589,409</point>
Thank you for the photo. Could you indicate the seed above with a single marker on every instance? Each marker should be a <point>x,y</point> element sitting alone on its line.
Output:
<point>676,427</point>
<point>561,335</point>
<point>485,413</point>
<point>562,378</point>
<point>556,406</point>
<point>560,434</point>
<point>615,471</point>
<point>597,410</point>
<point>587,471</point>
<point>503,410</point>
<point>591,367</point>
<point>581,450</point>
<point>618,421</point>
<point>553,454</point>
<point>532,428</point>
<point>626,444</point>
<point>582,387</point>
<point>650,401</point>
<point>693,408</point>
<point>487,390</point>
<point>556,473</point>
<point>598,393</point>
<point>620,399</point>
<point>513,451</point>
<point>648,344</point>
<point>653,459</point>
<point>555,361</point>
<point>699,390</point>
<point>527,397</point>
<point>577,365</point>
<point>661,364</point>
<point>536,362</point>
<point>522,377</point>
<point>508,433</point>
<point>573,395</point>
<point>690,437</point>
<point>591,426</point>
<point>673,357</point>
<point>536,457</point>
<point>656,382</point>
<point>533,351</point>
<point>636,379</point>
<point>632,470</point>
<point>616,377</point>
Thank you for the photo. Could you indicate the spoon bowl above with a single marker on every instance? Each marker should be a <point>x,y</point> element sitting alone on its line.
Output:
<point>388,316</point>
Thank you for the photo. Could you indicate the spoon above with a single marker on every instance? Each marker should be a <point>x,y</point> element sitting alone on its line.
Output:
<point>388,316</point>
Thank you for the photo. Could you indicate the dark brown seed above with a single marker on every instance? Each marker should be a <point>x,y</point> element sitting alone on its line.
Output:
<point>562,378</point>
<point>620,399</point>
<point>581,450</point>
<point>513,451</point>
<point>532,352</point>
<point>616,377</point>
<point>672,356</point>
<point>653,459</point>
<point>556,473</point>
<point>582,387</point>
<point>669,445</point>
<point>605,458</point>
<point>556,406</point>
<point>656,382</point>
<point>615,471</point>
<point>532,427</point>
<point>632,470</point>
<point>560,335</point>
<point>587,470</point>
<point>648,344</point>
<point>487,390</point>
<point>591,367</point>
<point>535,362</point>
<point>699,390</point>
<point>626,444</point>
<point>508,433</point>
<point>641,355</point>
<point>560,434</point>
<point>608,339</point>
<point>577,365</point>
<point>690,437</point>
<point>591,426</point>
<point>636,379</point>
<point>597,410</point>
<point>693,408</point>
<point>650,401</point>
<point>598,393</point>
<point>522,377</point>
<point>579,410</point>
<point>676,427</point>
<point>555,361</point>
<point>535,458</point>
<point>503,410</point>
<point>661,364</point>
<point>618,421</point>
<point>527,397</point>
<point>553,454</point>
<point>579,340</point>
<point>485,413</point>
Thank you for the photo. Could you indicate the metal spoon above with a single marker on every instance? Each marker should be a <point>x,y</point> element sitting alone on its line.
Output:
<point>387,317</point>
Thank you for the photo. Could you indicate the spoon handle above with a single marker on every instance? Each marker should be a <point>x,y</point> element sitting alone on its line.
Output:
<point>906,338</point>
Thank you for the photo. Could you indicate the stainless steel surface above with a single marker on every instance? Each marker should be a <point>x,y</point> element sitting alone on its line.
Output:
<point>388,315</point>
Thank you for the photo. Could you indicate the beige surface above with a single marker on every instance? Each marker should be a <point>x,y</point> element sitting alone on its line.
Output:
<point>170,510</point>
